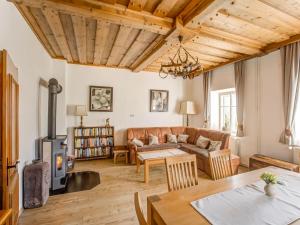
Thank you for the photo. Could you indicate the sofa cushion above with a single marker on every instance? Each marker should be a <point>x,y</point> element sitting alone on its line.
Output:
<point>171,138</point>
<point>153,140</point>
<point>203,142</point>
<point>182,138</point>
<point>157,147</point>
<point>214,136</point>
<point>155,131</point>
<point>137,142</point>
<point>214,145</point>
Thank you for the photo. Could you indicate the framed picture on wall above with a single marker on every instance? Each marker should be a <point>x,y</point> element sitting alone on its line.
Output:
<point>159,100</point>
<point>101,99</point>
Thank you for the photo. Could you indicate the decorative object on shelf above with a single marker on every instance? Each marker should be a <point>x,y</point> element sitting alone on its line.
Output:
<point>93,142</point>
<point>183,64</point>
<point>107,122</point>
<point>159,100</point>
<point>101,99</point>
<point>81,111</point>
<point>187,108</point>
<point>271,181</point>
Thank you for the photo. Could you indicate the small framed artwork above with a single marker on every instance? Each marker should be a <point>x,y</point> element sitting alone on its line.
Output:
<point>159,100</point>
<point>101,99</point>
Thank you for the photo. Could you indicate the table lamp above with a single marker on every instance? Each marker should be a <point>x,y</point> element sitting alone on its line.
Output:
<point>81,111</point>
<point>187,108</point>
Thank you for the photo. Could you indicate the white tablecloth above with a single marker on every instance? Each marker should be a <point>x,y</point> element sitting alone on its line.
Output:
<point>250,206</point>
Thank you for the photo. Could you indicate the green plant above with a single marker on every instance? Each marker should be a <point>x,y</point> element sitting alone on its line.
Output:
<point>269,178</point>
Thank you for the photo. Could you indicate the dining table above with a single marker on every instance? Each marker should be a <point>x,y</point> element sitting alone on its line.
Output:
<point>174,208</point>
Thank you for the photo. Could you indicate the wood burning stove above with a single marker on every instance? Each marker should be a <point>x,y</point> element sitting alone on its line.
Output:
<point>55,153</point>
<point>54,149</point>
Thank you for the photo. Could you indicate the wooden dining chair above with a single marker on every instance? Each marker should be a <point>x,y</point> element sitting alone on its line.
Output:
<point>220,164</point>
<point>181,172</point>
<point>138,209</point>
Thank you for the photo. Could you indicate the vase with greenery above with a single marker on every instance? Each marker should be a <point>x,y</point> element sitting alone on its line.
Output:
<point>270,180</point>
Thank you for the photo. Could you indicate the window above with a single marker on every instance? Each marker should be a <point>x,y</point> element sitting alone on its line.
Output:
<point>227,105</point>
<point>223,110</point>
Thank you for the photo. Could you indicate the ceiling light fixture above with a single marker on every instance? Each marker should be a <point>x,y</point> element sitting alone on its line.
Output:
<point>183,64</point>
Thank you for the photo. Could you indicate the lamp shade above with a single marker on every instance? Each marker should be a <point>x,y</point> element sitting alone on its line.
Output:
<point>81,110</point>
<point>187,107</point>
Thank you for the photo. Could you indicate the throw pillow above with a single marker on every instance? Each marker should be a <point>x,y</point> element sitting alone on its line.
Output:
<point>171,138</point>
<point>182,138</point>
<point>214,145</point>
<point>153,140</point>
<point>137,142</point>
<point>203,142</point>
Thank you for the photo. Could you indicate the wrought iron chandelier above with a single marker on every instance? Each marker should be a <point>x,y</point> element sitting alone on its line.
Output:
<point>183,64</point>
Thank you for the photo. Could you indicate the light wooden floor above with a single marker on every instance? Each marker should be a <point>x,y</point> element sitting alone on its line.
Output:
<point>110,203</point>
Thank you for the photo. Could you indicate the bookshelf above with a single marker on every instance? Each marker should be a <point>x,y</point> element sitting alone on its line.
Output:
<point>93,142</point>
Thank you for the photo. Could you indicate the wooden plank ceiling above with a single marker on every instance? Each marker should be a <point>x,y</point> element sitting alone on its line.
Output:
<point>141,34</point>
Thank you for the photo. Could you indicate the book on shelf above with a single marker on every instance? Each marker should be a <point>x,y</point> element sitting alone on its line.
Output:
<point>92,152</point>
<point>96,131</point>
<point>92,142</point>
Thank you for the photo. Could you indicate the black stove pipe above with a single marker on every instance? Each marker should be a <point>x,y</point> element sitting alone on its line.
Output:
<point>54,89</point>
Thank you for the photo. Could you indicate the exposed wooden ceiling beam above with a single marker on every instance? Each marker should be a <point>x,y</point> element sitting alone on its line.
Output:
<point>266,50</point>
<point>160,49</point>
<point>275,46</point>
<point>79,26</point>
<point>223,15</point>
<point>101,38</point>
<point>198,11</point>
<point>214,51</point>
<point>137,5</point>
<point>287,18</point>
<point>118,47</point>
<point>231,37</point>
<point>137,47</point>
<point>112,13</point>
<point>164,8</point>
<point>263,11</point>
<point>159,39</point>
<point>36,28</point>
<point>58,31</point>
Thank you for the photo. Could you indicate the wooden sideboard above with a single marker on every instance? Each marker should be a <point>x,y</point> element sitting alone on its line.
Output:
<point>258,161</point>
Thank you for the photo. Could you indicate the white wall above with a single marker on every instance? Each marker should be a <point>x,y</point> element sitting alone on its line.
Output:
<point>131,98</point>
<point>32,62</point>
<point>263,118</point>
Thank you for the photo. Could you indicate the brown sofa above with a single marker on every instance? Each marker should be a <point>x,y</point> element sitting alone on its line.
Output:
<point>190,147</point>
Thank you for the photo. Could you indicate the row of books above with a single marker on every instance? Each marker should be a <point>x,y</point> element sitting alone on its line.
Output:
<point>92,152</point>
<point>93,142</point>
<point>93,131</point>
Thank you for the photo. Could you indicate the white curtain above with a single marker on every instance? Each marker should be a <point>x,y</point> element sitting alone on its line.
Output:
<point>239,72</point>
<point>206,89</point>
<point>290,57</point>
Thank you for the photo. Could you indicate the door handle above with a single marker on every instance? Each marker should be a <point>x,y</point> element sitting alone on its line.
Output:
<point>13,166</point>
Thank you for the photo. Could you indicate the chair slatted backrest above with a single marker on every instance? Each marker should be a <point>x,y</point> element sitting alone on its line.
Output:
<point>138,209</point>
<point>181,172</point>
<point>220,164</point>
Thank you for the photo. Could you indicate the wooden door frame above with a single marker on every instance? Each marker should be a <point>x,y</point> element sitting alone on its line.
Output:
<point>10,104</point>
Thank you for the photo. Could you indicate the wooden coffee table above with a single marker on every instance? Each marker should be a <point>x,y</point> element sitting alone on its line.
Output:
<point>151,158</point>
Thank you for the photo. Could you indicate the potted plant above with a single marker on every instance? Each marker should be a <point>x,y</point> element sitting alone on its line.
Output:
<point>271,180</point>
